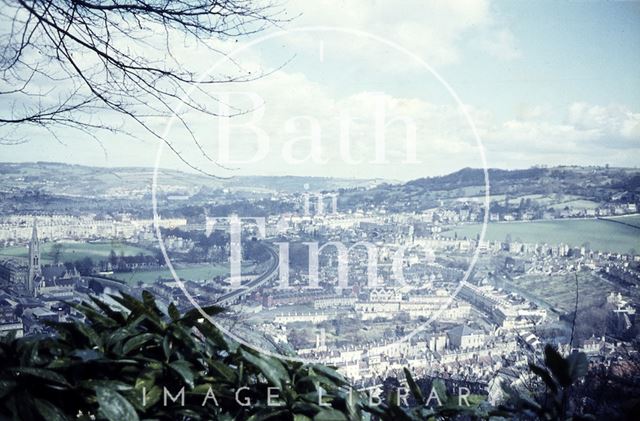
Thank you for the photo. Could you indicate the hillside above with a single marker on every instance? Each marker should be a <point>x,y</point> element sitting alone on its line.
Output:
<point>33,187</point>
<point>558,184</point>
<point>76,180</point>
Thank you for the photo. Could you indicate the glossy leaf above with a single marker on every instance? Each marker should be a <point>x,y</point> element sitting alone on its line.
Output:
<point>49,411</point>
<point>183,369</point>
<point>558,365</point>
<point>545,376</point>
<point>114,407</point>
<point>415,390</point>
<point>137,341</point>
<point>272,369</point>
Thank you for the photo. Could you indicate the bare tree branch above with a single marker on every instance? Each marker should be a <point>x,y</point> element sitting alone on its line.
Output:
<point>114,58</point>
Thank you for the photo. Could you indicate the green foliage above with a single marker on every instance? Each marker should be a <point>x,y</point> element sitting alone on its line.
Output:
<point>134,362</point>
<point>435,405</point>
<point>557,375</point>
<point>117,365</point>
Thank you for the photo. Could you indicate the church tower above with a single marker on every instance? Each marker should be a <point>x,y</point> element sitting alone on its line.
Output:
<point>34,261</point>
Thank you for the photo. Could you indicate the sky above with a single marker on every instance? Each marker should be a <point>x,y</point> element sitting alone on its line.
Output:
<point>402,90</point>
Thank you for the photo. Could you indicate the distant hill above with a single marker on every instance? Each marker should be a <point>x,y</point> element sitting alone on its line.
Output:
<point>77,180</point>
<point>47,186</point>
<point>536,179</point>
<point>600,184</point>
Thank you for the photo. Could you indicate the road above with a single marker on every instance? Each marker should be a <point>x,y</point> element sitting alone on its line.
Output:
<point>255,283</point>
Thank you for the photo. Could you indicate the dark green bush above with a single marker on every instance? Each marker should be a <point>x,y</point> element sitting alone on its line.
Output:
<point>123,364</point>
<point>101,369</point>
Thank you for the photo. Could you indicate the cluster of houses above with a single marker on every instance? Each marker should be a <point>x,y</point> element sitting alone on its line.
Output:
<point>15,229</point>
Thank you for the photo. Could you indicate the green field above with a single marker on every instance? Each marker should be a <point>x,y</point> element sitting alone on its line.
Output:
<point>193,272</point>
<point>576,204</point>
<point>542,199</point>
<point>560,290</point>
<point>72,251</point>
<point>601,235</point>
<point>628,219</point>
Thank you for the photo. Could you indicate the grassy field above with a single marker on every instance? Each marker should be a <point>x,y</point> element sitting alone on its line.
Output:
<point>542,199</point>
<point>576,204</point>
<point>72,251</point>
<point>560,290</point>
<point>601,235</point>
<point>189,272</point>
<point>628,219</point>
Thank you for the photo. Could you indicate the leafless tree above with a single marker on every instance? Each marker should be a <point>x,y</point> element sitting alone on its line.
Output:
<point>91,65</point>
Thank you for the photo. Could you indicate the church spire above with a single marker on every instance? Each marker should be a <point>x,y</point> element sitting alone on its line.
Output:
<point>34,232</point>
<point>34,260</point>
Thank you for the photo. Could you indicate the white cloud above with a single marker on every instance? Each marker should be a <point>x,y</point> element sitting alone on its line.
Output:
<point>442,137</point>
<point>580,128</point>
<point>584,134</point>
<point>434,31</point>
<point>526,111</point>
<point>612,120</point>
<point>500,44</point>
